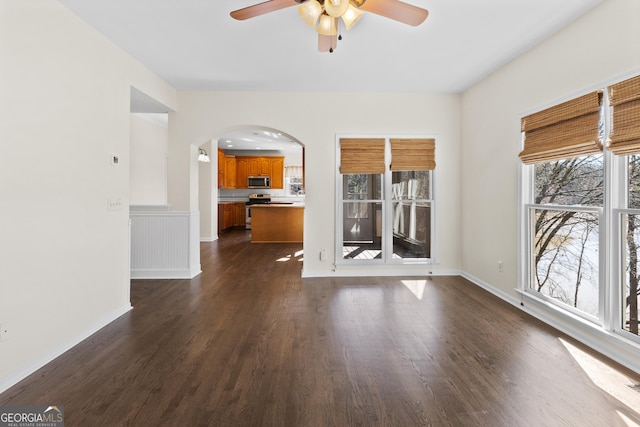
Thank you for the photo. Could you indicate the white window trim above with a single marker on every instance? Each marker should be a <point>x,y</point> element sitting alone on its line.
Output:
<point>529,262</point>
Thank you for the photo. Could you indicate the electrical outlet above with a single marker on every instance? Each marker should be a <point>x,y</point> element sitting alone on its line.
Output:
<point>500,266</point>
<point>3,332</point>
<point>323,254</point>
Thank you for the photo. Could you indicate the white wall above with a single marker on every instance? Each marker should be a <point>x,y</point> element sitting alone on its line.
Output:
<point>148,159</point>
<point>64,109</point>
<point>315,119</point>
<point>580,57</point>
<point>208,192</point>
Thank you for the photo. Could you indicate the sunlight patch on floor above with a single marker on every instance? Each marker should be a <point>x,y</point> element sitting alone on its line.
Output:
<point>626,420</point>
<point>614,383</point>
<point>416,287</point>
<point>297,256</point>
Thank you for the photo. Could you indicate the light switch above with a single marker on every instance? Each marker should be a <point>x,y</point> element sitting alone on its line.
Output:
<point>114,204</point>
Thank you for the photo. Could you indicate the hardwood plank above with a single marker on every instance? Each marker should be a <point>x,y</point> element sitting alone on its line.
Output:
<point>250,343</point>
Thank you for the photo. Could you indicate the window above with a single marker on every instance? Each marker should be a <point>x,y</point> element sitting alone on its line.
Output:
<point>582,199</point>
<point>630,235</point>
<point>293,180</point>
<point>624,99</point>
<point>411,207</point>
<point>566,218</point>
<point>385,191</point>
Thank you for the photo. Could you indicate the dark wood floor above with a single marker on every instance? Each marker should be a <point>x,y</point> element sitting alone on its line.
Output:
<point>250,343</point>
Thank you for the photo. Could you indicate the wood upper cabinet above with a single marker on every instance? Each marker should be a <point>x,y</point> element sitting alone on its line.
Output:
<point>226,170</point>
<point>272,166</point>
<point>253,166</point>
<point>264,166</point>
<point>242,172</point>
<point>259,166</point>
<point>277,172</point>
<point>230,171</point>
<point>221,168</point>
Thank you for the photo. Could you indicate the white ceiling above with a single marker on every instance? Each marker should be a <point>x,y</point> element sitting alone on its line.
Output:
<point>196,45</point>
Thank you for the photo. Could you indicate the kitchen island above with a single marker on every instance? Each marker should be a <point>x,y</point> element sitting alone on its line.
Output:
<point>277,223</point>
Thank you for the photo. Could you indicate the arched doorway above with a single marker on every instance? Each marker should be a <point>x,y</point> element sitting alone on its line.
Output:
<point>226,182</point>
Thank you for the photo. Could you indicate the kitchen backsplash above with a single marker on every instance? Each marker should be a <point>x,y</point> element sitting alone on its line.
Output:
<point>244,193</point>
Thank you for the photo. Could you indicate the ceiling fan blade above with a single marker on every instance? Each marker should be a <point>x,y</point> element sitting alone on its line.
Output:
<point>261,9</point>
<point>326,43</point>
<point>396,10</point>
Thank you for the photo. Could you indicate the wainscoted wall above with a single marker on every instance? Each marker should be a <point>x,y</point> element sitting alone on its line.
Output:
<point>165,245</point>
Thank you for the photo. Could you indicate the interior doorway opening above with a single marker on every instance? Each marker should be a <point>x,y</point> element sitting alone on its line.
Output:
<point>252,163</point>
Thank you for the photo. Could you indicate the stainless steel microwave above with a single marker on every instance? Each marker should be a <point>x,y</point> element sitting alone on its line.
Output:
<point>259,182</point>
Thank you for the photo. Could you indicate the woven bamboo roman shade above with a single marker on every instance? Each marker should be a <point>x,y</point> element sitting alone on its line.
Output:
<point>567,130</point>
<point>413,154</point>
<point>361,155</point>
<point>624,98</point>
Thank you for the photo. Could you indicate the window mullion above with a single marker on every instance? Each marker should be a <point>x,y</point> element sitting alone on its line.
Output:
<point>387,207</point>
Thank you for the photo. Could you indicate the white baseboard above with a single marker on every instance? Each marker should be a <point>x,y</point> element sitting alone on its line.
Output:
<point>385,271</point>
<point>16,377</point>
<point>166,274</point>
<point>487,287</point>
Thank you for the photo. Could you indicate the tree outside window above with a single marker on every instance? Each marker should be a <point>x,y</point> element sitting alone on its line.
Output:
<point>566,236</point>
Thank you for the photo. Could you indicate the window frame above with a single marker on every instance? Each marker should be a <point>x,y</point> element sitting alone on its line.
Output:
<point>612,257</point>
<point>621,174</point>
<point>387,204</point>
<point>530,267</point>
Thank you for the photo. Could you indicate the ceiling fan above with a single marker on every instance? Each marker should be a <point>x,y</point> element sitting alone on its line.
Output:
<point>324,15</point>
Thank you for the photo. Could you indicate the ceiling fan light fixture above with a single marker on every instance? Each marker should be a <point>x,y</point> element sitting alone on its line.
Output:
<point>327,26</point>
<point>336,8</point>
<point>351,16</point>
<point>310,12</point>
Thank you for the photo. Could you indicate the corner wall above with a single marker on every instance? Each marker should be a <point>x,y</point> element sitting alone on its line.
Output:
<point>64,111</point>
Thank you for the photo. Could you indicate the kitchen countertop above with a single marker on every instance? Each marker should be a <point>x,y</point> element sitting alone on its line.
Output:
<point>275,203</point>
<point>279,205</point>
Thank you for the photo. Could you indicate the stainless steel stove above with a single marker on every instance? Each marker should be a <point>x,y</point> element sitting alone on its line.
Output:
<point>255,199</point>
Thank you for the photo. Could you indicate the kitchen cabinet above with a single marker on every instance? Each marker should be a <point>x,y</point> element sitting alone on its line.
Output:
<point>276,223</point>
<point>259,166</point>
<point>230,172</point>
<point>231,215</point>
<point>227,175</point>
<point>264,166</point>
<point>272,166</point>
<point>240,213</point>
<point>242,172</point>
<point>277,172</point>
<point>221,168</point>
